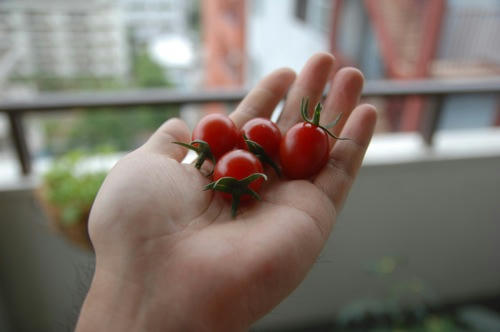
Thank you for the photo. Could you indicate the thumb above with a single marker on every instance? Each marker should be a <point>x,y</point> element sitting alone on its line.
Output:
<point>173,130</point>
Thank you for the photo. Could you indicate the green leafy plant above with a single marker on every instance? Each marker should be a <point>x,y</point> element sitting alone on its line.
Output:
<point>125,129</point>
<point>409,305</point>
<point>69,189</point>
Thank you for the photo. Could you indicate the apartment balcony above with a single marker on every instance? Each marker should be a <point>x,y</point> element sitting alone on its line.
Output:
<point>428,200</point>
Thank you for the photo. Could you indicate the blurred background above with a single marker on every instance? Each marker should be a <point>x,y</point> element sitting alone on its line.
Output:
<point>417,247</point>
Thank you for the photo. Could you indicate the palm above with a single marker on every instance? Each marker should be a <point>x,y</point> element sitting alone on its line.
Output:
<point>160,210</point>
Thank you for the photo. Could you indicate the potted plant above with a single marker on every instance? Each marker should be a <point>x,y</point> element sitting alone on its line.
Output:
<point>67,192</point>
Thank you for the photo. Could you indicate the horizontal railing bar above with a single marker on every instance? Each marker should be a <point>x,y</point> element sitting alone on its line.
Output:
<point>158,97</point>
<point>431,87</point>
<point>145,97</point>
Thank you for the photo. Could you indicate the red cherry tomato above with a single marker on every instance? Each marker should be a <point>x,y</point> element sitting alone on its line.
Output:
<point>304,150</point>
<point>241,142</point>
<point>239,164</point>
<point>265,133</point>
<point>219,132</point>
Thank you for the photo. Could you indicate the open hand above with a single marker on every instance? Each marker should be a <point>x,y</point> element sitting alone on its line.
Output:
<point>170,257</point>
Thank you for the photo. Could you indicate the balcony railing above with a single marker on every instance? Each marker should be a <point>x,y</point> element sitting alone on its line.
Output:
<point>436,89</point>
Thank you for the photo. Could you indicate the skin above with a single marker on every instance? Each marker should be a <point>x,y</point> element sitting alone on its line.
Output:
<point>168,255</point>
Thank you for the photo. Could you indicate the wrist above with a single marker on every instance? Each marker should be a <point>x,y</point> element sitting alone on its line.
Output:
<point>110,305</point>
<point>116,304</point>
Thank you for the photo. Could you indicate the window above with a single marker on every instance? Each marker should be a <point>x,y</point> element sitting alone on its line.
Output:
<point>301,10</point>
<point>314,13</point>
<point>319,15</point>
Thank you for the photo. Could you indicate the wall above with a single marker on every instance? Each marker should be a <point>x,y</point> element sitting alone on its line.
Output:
<point>441,217</point>
<point>439,214</point>
<point>43,280</point>
<point>276,38</point>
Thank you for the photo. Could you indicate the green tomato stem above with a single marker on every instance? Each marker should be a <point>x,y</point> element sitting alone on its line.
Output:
<point>304,104</point>
<point>202,149</point>
<point>234,205</point>
<point>260,153</point>
<point>236,188</point>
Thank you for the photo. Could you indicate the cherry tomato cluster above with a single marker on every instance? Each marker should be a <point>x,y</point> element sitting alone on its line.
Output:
<point>239,155</point>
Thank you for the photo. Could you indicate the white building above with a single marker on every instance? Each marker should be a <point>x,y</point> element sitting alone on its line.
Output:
<point>284,33</point>
<point>148,19</point>
<point>167,29</point>
<point>65,38</point>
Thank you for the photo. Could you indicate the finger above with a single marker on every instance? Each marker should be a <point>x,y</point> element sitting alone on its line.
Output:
<point>336,178</point>
<point>310,83</point>
<point>342,98</point>
<point>262,100</point>
<point>173,130</point>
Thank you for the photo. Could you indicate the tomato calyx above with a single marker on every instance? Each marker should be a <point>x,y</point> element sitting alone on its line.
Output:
<point>236,188</point>
<point>260,153</point>
<point>202,149</point>
<point>314,120</point>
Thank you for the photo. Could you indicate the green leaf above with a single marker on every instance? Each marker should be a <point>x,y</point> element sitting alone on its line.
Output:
<point>317,114</point>
<point>249,179</point>
<point>304,108</point>
<point>333,136</point>
<point>70,216</point>
<point>70,192</point>
<point>260,153</point>
<point>236,188</point>
<point>252,193</point>
<point>334,122</point>
<point>202,148</point>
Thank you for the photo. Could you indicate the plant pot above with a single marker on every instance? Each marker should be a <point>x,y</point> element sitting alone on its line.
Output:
<point>76,233</point>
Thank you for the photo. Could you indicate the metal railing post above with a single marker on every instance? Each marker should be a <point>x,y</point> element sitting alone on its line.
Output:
<point>19,139</point>
<point>431,120</point>
<point>124,100</point>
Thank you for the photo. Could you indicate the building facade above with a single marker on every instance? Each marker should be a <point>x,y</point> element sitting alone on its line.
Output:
<point>406,39</point>
<point>57,38</point>
<point>149,19</point>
